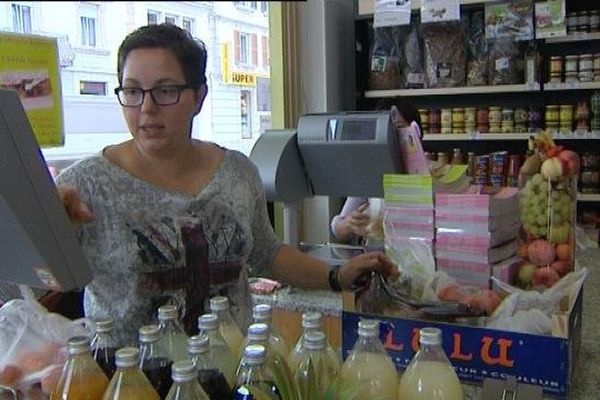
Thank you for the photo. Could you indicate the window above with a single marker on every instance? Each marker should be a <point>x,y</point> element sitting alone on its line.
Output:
<point>245,111</point>
<point>153,17</point>
<point>93,88</point>
<point>246,48</point>
<point>264,7</point>
<point>264,45</point>
<point>21,15</point>
<point>89,18</point>
<point>246,4</point>
<point>188,25</point>
<point>171,19</point>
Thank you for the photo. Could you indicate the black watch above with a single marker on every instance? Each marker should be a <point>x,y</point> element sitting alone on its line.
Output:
<point>334,283</point>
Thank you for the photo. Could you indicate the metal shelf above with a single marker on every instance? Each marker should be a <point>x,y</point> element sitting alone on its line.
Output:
<point>571,86</point>
<point>576,37</point>
<point>455,90</point>
<point>588,197</point>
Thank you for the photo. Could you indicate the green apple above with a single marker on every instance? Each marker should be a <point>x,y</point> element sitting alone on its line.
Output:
<point>526,272</point>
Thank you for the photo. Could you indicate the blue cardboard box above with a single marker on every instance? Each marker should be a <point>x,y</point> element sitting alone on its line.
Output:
<point>478,353</point>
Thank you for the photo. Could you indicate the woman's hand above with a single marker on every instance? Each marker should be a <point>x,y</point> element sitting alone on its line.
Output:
<point>78,211</point>
<point>356,223</point>
<point>364,264</point>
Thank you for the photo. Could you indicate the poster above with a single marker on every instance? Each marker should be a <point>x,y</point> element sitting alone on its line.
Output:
<point>439,10</point>
<point>391,13</point>
<point>30,65</point>
<point>550,19</point>
<point>509,19</point>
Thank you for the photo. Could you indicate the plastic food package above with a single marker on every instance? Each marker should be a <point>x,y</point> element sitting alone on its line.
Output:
<point>413,71</point>
<point>33,342</point>
<point>477,69</point>
<point>386,58</point>
<point>445,54</point>
<point>505,62</point>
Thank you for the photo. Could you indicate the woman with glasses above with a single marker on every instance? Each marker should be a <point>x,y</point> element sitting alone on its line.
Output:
<point>165,218</point>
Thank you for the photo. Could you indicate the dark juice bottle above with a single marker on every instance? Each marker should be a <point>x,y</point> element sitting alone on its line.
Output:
<point>154,360</point>
<point>214,384</point>
<point>211,378</point>
<point>104,346</point>
<point>253,378</point>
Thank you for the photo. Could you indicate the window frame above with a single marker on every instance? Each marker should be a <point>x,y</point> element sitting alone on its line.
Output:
<point>89,17</point>
<point>245,48</point>
<point>102,83</point>
<point>156,14</point>
<point>20,26</point>
<point>191,22</point>
<point>175,18</point>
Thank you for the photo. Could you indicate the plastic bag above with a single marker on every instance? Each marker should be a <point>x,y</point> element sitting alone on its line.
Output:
<point>505,62</point>
<point>386,57</point>
<point>477,70</point>
<point>33,341</point>
<point>445,54</point>
<point>413,70</point>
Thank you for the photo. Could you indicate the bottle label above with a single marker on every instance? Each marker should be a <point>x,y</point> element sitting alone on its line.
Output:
<point>242,393</point>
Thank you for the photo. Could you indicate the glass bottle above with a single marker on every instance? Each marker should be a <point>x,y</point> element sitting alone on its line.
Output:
<point>262,313</point>
<point>104,346</point>
<point>81,377</point>
<point>221,355</point>
<point>253,379</point>
<point>129,382</point>
<point>154,360</point>
<point>258,333</point>
<point>430,375</point>
<point>315,372</point>
<point>185,382</point>
<point>171,331</point>
<point>311,322</point>
<point>230,331</point>
<point>210,377</point>
<point>369,365</point>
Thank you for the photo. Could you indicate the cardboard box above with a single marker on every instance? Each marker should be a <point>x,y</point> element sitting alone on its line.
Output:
<point>477,352</point>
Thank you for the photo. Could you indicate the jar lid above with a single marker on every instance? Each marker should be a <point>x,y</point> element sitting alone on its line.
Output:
<point>585,56</point>
<point>556,58</point>
<point>552,107</point>
<point>495,108</point>
<point>458,109</point>
<point>149,333</point>
<point>219,303</point>
<point>566,106</point>
<point>572,57</point>
<point>127,357</point>
<point>198,344</point>
<point>208,322</point>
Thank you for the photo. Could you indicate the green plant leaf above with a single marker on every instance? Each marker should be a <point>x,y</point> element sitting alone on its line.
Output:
<point>283,377</point>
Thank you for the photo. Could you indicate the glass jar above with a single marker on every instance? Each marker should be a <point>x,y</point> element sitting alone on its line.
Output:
<point>582,116</point>
<point>552,113</point>
<point>572,22</point>
<point>583,21</point>
<point>571,63</point>
<point>470,115</point>
<point>571,77</point>
<point>495,115</point>
<point>586,67</point>
<point>446,120</point>
<point>435,121</point>
<point>556,65</point>
<point>458,116</point>
<point>507,127</point>
<point>594,20</point>
<point>566,113</point>
<point>521,116</point>
<point>508,114</point>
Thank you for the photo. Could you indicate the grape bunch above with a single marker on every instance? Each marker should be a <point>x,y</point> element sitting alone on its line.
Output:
<point>545,205</point>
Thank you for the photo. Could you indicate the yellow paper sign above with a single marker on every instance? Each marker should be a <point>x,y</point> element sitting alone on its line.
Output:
<point>29,64</point>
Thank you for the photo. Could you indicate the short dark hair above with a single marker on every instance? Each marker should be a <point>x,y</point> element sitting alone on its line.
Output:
<point>190,52</point>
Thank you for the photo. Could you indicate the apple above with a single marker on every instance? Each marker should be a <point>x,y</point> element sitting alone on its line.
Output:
<point>552,168</point>
<point>526,272</point>
<point>10,375</point>
<point>562,267</point>
<point>570,161</point>
<point>545,276</point>
<point>487,300</point>
<point>560,233</point>
<point>452,293</point>
<point>563,251</point>
<point>541,252</point>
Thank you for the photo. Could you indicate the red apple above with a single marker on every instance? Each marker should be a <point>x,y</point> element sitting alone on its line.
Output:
<point>545,276</point>
<point>487,300</point>
<point>562,267</point>
<point>570,161</point>
<point>541,252</point>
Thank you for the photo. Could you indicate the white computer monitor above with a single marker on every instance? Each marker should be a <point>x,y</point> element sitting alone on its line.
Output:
<point>38,244</point>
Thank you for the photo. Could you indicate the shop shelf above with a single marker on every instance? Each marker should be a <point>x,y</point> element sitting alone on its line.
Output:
<point>587,197</point>
<point>571,85</point>
<point>475,136</point>
<point>367,7</point>
<point>455,90</point>
<point>576,37</point>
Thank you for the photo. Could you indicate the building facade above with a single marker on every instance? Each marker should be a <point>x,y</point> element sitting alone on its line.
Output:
<point>236,35</point>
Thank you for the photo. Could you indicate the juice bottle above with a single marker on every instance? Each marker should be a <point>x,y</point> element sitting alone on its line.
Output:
<point>171,331</point>
<point>262,313</point>
<point>430,375</point>
<point>81,377</point>
<point>129,382</point>
<point>311,322</point>
<point>230,331</point>
<point>370,366</point>
<point>221,355</point>
<point>253,378</point>
<point>210,377</point>
<point>104,346</point>
<point>154,361</point>
<point>315,371</point>
<point>185,382</point>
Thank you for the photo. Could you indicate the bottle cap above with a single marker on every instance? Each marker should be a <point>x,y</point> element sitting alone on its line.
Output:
<point>198,344</point>
<point>219,303</point>
<point>167,312</point>
<point>315,340</point>
<point>184,371</point>
<point>311,319</point>
<point>149,333</point>
<point>368,327</point>
<point>127,357</point>
<point>262,313</point>
<point>255,354</point>
<point>208,322</point>
<point>78,345</point>
<point>258,332</point>
<point>431,336</point>
<point>105,325</point>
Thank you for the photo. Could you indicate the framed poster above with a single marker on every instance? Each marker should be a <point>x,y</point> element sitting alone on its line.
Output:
<point>29,65</point>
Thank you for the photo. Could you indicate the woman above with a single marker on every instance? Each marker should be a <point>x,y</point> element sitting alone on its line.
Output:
<point>170,219</point>
<point>351,224</point>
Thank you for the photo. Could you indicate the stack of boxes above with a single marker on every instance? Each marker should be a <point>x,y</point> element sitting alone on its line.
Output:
<point>476,234</point>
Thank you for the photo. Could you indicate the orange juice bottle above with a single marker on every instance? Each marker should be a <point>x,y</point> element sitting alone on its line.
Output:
<point>81,377</point>
<point>129,382</point>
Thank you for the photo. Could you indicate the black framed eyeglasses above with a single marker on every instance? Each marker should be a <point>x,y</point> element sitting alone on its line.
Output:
<point>163,95</point>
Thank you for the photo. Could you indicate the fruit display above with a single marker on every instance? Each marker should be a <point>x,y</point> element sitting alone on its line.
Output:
<point>547,206</point>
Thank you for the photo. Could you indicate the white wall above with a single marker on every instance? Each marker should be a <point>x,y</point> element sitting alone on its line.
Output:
<point>327,83</point>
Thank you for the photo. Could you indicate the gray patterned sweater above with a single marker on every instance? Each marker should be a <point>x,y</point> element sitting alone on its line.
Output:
<point>149,246</point>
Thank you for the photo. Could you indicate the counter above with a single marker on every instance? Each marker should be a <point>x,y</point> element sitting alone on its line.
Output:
<point>289,303</point>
